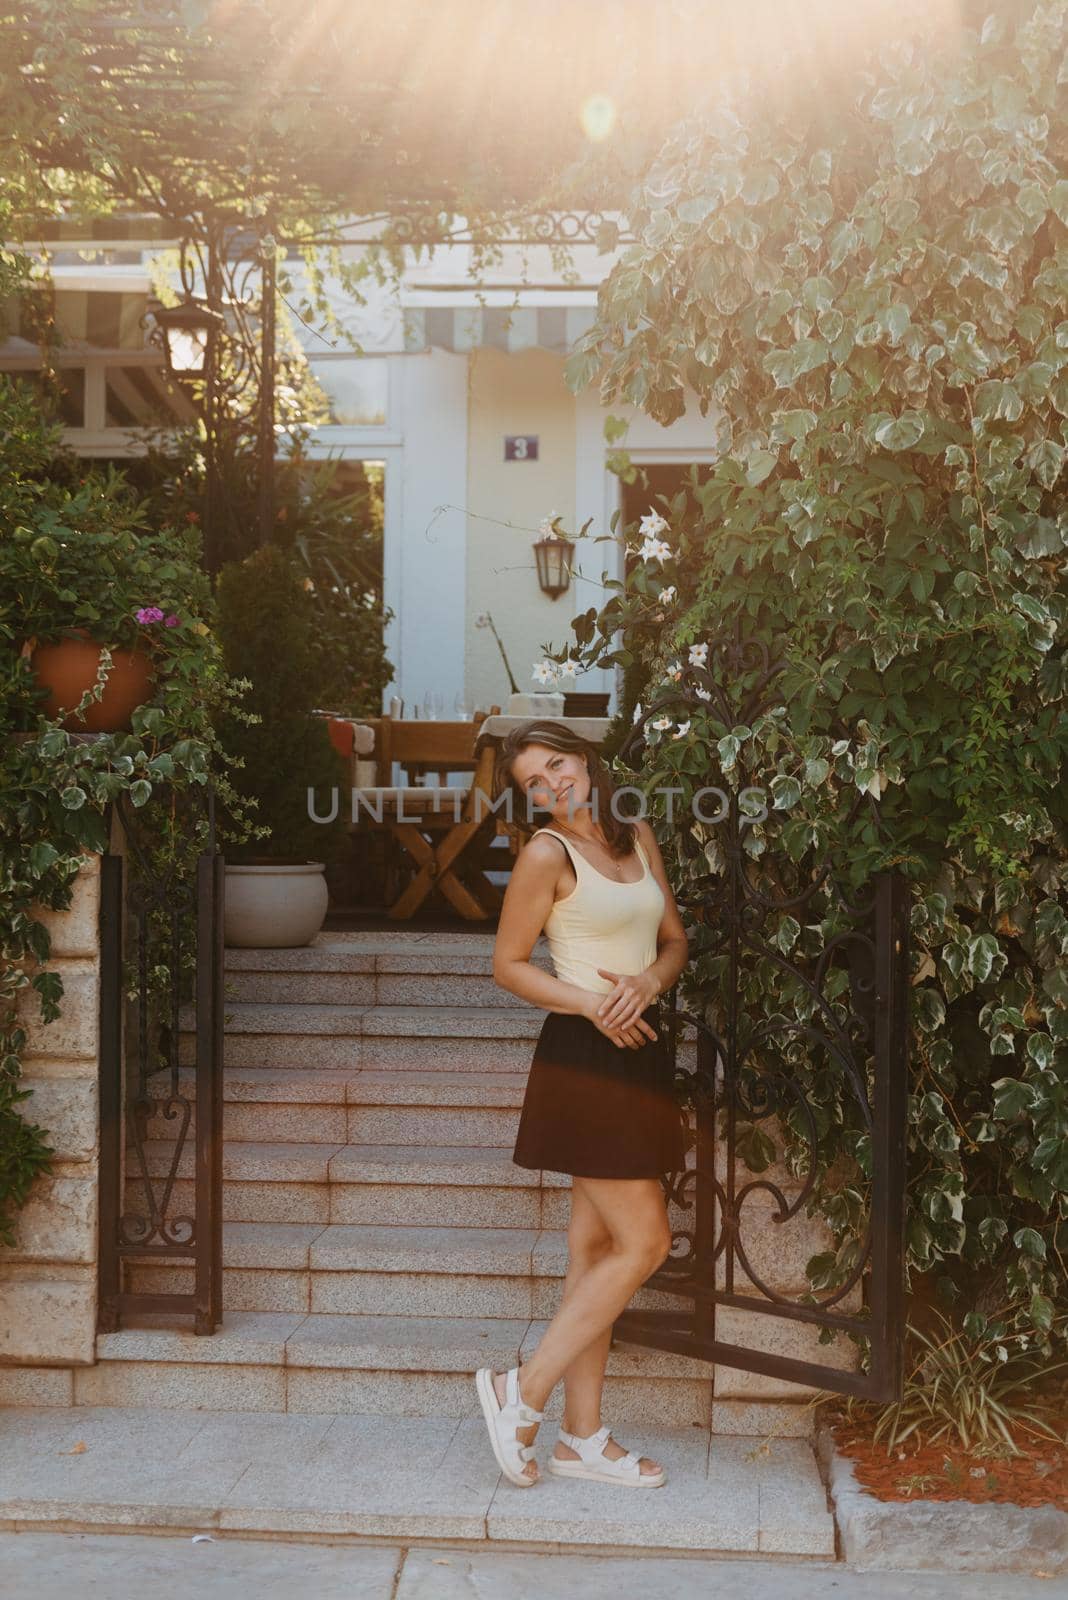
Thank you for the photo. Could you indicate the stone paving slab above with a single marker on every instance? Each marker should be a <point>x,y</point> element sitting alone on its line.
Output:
<point>52,1566</point>
<point>395,1477</point>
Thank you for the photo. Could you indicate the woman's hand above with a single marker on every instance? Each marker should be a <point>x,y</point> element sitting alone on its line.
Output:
<point>631,1035</point>
<point>633,992</point>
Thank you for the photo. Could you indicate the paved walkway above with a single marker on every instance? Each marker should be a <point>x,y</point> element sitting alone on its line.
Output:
<point>55,1566</point>
<point>397,1478</point>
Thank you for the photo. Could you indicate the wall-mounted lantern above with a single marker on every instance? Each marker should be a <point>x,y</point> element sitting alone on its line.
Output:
<point>553,556</point>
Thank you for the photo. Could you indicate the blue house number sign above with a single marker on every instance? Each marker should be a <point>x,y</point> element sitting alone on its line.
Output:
<point>521,447</point>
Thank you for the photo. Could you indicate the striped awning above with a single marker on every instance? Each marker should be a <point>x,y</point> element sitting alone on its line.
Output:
<point>510,328</point>
<point>92,232</point>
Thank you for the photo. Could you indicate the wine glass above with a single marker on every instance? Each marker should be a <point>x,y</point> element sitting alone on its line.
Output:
<point>461,707</point>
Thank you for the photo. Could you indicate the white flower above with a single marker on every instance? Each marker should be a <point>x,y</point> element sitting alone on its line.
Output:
<point>661,722</point>
<point>544,671</point>
<point>482,620</point>
<point>674,670</point>
<point>637,712</point>
<point>703,694</point>
<point>545,526</point>
<point>570,667</point>
<point>682,729</point>
<point>698,655</point>
<point>666,594</point>
<point>652,524</point>
<point>655,550</point>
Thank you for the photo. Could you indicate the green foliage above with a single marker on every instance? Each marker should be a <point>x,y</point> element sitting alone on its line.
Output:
<point>868,303</point>
<point>335,537</point>
<point>266,623</point>
<point>75,551</point>
<point>969,1383</point>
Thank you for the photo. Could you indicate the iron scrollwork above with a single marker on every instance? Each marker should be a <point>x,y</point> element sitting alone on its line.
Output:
<point>161,1124</point>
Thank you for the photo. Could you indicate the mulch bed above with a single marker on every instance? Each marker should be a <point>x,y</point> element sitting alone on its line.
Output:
<point>918,1469</point>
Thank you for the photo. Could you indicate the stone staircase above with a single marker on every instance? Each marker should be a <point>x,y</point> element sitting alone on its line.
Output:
<point>379,1245</point>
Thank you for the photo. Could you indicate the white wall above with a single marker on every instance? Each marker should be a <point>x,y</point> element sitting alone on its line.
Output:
<point>425,556</point>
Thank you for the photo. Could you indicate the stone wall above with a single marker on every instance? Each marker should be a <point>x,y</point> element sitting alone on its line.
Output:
<point>48,1279</point>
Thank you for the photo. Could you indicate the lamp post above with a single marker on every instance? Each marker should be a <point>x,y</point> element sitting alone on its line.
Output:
<point>220,353</point>
<point>552,555</point>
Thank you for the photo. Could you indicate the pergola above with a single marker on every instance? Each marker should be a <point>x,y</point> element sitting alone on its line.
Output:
<point>278,125</point>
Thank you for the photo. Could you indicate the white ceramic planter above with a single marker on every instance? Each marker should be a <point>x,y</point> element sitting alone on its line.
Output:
<point>274,906</point>
<point>547,703</point>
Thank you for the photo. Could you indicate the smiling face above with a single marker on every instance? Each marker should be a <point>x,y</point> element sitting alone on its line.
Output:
<point>556,780</point>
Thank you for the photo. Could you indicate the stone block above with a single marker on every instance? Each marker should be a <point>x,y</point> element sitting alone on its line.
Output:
<point>47,1315</point>
<point>778,1336</point>
<point>36,1386</point>
<point>776,1252</point>
<point>75,931</point>
<point>57,1223</point>
<point>169,1386</point>
<point>67,1110</point>
<point>75,1031</point>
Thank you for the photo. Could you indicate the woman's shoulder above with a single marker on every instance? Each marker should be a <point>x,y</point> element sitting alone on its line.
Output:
<point>544,846</point>
<point>643,831</point>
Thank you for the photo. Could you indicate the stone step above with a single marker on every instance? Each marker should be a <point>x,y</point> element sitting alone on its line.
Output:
<point>368,988</point>
<point>366,1107</point>
<point>385,1270</point>
<point>166,1465</point>
<point>473,1185</point>
<point>375,969</point>
<point>405,1365</point>
<point>336,1037</point>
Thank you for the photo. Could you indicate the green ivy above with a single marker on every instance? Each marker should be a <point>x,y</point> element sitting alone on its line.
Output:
<point>76,550</point>
<point>867,301</point>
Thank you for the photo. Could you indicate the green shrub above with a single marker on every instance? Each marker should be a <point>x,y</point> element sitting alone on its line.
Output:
<point>266,627</point>
<point>76,551</point>
<point>868,301</point>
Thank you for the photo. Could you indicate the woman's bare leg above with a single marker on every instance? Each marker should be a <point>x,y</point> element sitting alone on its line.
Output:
<point>587,1240</point>
<point>619,1234</point>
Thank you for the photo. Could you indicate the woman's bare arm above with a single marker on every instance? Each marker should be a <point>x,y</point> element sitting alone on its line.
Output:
<point>528,900</point>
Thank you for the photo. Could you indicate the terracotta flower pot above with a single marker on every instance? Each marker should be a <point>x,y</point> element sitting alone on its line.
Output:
<point>69,667</point>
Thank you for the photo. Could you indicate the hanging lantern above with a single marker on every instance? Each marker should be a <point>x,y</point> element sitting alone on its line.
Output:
<point>185,332</point>
<point>553,556</point>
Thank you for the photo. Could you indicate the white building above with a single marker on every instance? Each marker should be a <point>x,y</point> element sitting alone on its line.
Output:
<point>448,371</point>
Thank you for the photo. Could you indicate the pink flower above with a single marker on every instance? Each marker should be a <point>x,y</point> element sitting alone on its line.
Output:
<point>150,614</point>
<point>171,621</point>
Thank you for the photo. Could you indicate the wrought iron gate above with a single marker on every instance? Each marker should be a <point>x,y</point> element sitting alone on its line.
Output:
<point>844,1065</point>
<point>161,950</point>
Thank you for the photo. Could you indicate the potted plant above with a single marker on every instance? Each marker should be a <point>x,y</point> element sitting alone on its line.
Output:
<point>276,892</point>
<point>72,555</point>
<point>101,600</point>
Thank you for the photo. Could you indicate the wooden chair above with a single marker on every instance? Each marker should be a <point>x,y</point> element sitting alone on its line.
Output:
<point>439,826</point>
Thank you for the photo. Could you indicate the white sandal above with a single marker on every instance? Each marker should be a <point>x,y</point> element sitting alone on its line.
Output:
<point>502,1422</point>
<point>596,1465</point>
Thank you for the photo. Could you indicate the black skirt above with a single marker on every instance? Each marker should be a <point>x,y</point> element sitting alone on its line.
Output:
<point>595,1109</point>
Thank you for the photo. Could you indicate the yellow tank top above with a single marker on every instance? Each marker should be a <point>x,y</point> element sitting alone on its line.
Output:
<point>603,923</point>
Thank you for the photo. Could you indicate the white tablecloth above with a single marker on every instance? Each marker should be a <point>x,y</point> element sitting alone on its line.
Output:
<point>591,728</point>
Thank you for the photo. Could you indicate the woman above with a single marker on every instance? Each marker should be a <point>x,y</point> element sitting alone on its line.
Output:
<point>599,1102</point>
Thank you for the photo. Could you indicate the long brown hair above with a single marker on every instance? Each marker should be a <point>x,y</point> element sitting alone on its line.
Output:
<point>618,831</point>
